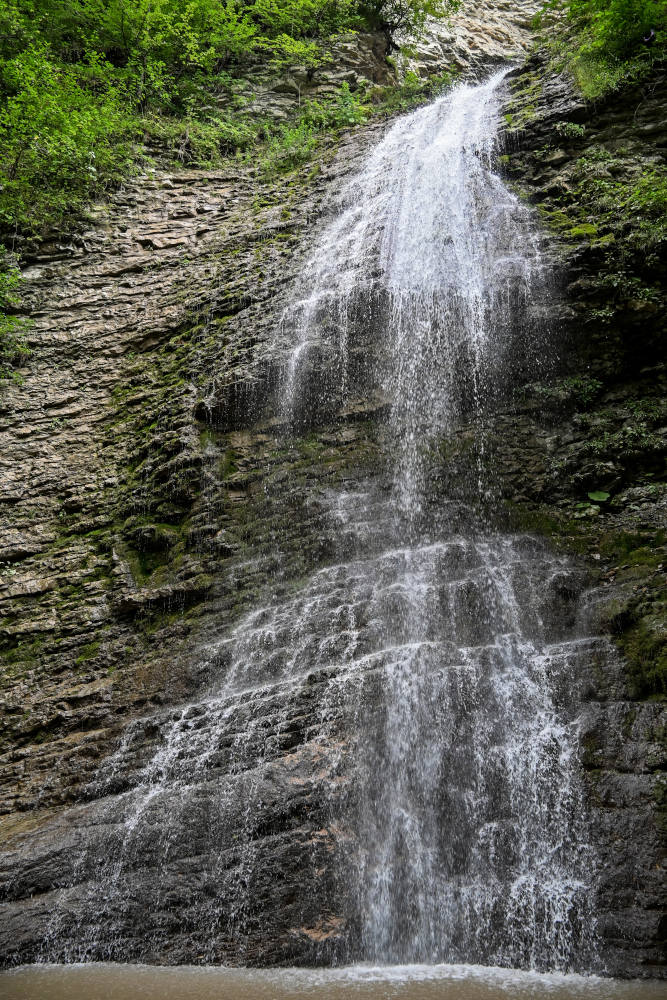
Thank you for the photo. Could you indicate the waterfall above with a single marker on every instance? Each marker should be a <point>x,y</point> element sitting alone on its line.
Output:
<point>439,658</point>
<point>469,808</point>
<point>439,261</point>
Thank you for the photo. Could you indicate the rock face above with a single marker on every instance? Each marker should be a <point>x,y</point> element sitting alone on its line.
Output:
<point>570,442</point>
<point>472,40</point>
<point>152,501</point>
<point>85,554</point>
<point>146,514</point>
<point>357,60</point>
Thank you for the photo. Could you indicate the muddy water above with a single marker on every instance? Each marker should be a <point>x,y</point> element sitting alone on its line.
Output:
<point>443,982</point>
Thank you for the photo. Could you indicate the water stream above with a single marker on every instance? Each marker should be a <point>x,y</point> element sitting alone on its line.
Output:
<point>440,660</point>
<point>470,814</point>
<point>132,982</point>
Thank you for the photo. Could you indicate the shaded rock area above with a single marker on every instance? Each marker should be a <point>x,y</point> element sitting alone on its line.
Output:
<point>150,499</point>
<point>581,457</point>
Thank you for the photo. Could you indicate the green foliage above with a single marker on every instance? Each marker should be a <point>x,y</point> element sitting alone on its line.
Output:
<point>63,137</point>
<point>583,389</point>
<point>633,207</point>
<point>289,148</point>
<point>201,140</point>
<point>82,81</point>
<point>648,195</point>
<point>412,91</point>
<point>603,45</point>
<point>346,108</point>
<point>570,130</point>
<point>578,391</point>
<point>13,347</point>
<point>615,27</point>
<point>618,205</point>
<point>88,652</point>
<point>633,441</point>
<point>85,83</point>
<point>634,547</point>
<point>653,410</point>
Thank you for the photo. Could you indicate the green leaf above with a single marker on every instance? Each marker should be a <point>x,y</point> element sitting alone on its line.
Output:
<point>598,495</point>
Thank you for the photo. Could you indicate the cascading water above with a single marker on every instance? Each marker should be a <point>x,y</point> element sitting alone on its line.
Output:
<point>434,256</point>
<point>471,843</point>
<point>443,656</point>
<point>469,808</point>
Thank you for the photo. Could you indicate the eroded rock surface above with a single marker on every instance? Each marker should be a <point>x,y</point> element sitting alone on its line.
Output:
<point>472,40</point>
<point>106,446</point>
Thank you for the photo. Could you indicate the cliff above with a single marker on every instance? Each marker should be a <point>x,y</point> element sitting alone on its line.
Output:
<point>151,501</point>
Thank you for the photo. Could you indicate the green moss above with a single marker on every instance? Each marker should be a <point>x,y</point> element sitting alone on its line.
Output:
<point>634,548</point>
<point>583,229</point>
<point>537,520</point>
<point>18,657</point>
<point>227,464</point>
<point>88,652</point>
<point>155,622</point>
<point>645,648</point>
<point>24,651</point>
<point>636,619</point>
<point>206,437</point>
<point>143,564</point>
<point>637,622</point>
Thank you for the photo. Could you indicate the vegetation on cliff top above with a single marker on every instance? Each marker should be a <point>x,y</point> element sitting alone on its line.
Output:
<point>84,84</point>
<point>82,81</point>
<point>604,44</point>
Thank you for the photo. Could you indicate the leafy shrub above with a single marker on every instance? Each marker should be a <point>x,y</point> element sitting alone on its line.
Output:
<point>570,130</point>
<point>200,142</point>
<point>653,410</point>
<point>290,147</point>
<point>346,108</point>
<point>633,441</point>
<point>616,27</point>
<point>603,46</point>
<point>577,390</point>
<point>582,388</point>
<point>63,137</point>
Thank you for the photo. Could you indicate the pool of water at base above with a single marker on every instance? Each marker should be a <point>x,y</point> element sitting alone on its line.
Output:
<point>99,981</point>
